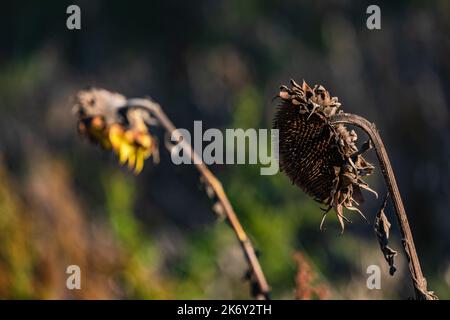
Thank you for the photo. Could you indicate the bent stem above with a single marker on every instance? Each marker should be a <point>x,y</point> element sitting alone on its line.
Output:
<point>260,287</point>
<point>418,280</point>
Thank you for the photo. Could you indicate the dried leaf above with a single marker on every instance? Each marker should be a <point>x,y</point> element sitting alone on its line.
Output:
<point>382,227</point>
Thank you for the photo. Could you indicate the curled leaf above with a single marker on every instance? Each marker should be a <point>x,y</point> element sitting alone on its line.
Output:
<point>382,227</point>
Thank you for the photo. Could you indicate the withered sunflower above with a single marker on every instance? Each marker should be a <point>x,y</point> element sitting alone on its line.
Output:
<point>319,157</point>
<point>105,120</point>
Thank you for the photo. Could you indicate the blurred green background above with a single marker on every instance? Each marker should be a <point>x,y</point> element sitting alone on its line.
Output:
<point>64,201</point>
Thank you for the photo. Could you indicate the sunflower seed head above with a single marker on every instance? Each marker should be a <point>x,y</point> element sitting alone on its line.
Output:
<point>98,102</point>
<point>321,158</point>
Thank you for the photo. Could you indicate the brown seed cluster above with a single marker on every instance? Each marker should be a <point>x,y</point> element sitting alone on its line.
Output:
<point>321,158</point>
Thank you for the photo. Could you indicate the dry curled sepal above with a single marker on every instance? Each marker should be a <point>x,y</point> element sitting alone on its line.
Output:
<point>382,227</point>
<point>319,157</point>
<point>104,118</point>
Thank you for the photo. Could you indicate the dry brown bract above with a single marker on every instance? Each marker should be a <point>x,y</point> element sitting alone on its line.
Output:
<point>321,158</point>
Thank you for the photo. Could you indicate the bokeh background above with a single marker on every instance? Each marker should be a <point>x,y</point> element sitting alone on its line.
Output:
<point>64,201</point>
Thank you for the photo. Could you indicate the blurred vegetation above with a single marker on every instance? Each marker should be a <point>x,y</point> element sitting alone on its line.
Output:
<point>63,201</point>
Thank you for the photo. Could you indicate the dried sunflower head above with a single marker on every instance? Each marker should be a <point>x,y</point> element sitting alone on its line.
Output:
<point>104,118</point>
<point>319,157</point>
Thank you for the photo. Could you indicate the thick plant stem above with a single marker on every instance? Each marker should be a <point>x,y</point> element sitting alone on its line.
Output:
<point>419,281</point>
<point>261,288</point>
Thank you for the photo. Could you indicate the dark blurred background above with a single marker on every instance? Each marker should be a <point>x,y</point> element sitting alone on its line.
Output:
<point>64,201</point>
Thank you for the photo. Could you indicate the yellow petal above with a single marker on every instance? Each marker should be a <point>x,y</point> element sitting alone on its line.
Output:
<point>124,153</point>
<point>132,158</point>
<point>145,140</point>
<point>139,161</point>
<point>116,137</point>
<point>129,136</point>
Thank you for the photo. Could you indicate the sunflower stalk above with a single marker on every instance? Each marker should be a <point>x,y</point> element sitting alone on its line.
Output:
<point>122,125</point>
<point>260,287</point>
<point>418,280</point>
